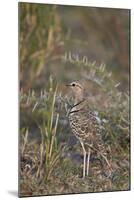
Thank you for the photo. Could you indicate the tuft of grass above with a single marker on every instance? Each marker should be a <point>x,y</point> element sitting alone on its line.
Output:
<point>38,159</point>
<point>50,147</point>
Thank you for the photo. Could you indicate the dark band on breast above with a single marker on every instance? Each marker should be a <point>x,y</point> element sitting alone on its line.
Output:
<point>78,103</point>
<point>74,111</point>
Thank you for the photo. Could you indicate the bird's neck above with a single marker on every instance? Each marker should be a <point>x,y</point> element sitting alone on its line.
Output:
<point>78,105</point>
<point>79,96</point>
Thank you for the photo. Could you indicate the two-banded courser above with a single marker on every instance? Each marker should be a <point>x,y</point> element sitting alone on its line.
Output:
<point>85,126</point>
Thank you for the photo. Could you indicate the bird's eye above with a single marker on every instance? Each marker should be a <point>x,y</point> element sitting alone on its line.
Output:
<point>73,84</point>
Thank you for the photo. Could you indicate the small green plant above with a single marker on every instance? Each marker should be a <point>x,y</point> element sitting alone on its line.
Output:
<point>39,158</point>
<point>52,149</point>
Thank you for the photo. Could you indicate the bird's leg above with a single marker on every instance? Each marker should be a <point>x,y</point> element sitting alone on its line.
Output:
<point>88,160</point>
<point>84,159</point>
<point>109,165</point>
<point>105,158</point>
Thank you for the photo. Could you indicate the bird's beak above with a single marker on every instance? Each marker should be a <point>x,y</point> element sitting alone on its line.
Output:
<point>68,85</point>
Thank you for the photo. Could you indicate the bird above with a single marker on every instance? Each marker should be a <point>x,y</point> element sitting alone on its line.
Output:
<point>85,127</point>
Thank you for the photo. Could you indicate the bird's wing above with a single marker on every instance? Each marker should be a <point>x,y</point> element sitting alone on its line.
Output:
<point>87,128</point>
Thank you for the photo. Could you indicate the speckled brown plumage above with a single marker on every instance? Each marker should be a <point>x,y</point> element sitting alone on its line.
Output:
<point>85,127</point>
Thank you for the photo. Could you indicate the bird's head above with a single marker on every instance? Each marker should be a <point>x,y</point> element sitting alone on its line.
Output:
<point>77,89</point>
